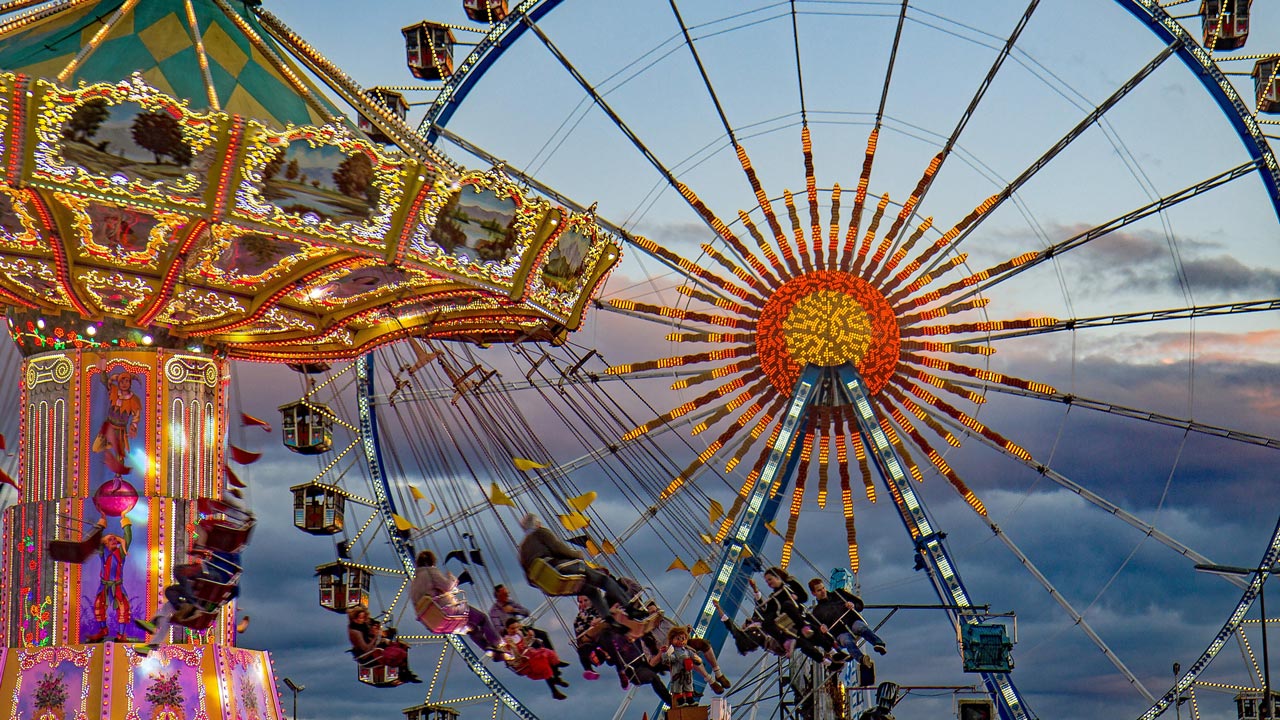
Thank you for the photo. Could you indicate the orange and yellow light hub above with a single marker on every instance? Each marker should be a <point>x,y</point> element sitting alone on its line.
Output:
<point>827,318</point>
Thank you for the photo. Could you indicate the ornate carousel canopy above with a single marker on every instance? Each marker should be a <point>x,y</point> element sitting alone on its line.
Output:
<point>165,164</point>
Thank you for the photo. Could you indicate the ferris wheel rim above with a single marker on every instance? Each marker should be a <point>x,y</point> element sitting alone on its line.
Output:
<point>1193,55</point>
<point>370,445</point>
<point>1197,59</point>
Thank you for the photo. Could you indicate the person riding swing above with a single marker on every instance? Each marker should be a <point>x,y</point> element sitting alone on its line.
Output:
<point>604,592</point>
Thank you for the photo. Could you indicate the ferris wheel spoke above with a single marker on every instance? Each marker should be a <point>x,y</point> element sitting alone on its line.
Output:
<point>1066,140</point>
<point>1076,617</point>
<point>1134,413</point>
<point>532,483</point>
<point>646,246</point>
<point>1232,308</point>
<point>1089,496</point>
<point>990,277</point>
<point>926,180</point>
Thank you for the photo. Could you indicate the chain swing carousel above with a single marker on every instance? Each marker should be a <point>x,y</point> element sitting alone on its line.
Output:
<point>174,195</point>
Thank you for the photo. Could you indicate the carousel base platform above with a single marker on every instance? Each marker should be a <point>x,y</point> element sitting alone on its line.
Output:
<point>113,681</point>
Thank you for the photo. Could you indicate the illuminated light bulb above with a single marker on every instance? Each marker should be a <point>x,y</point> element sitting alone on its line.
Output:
<point>40,323</point>
<point>91,331</point>
<point>146,340</point>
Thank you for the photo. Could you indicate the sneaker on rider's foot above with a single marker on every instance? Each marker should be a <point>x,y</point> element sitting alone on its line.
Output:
<point>881,649</point>
<point>717,688</point>
<point>590,675</point>
<point>720,678</point>
<point>555,693</point>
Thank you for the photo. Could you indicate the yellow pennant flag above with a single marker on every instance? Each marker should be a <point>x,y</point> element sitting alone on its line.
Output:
<point>525,464</point>
<point>706,538</point>
<point>677,564</point>
<point>717,512</point>
<point>592,548</point>
<point>402,524</point>
<point>746,553</point>
<point>574,521</point>
<point>433,509</point>
<point>497,497</point>
<point>583,501</point>
<point>416,493</point>
<point>607,548</point>
<point>772,528</point>
<point>700,568</point>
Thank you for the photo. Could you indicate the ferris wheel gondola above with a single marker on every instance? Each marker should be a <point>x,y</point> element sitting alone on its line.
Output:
<point>924,414</point>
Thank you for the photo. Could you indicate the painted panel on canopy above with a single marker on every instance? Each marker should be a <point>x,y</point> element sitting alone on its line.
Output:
<point>481,227</point>
<point>229,257</point>
<point>166,684</point>
<point>117,293</point>
<point>119,462</point>
<point>55,683</point>
<point>126,140</point>
<point>196,305</point>
<point>322,182</point>
<point>351,285</point>
<point>253,695</point>
<point>121,236</point>
<point>19,228</point>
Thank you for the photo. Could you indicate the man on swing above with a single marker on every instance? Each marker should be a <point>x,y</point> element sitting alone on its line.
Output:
<point>599,587</point>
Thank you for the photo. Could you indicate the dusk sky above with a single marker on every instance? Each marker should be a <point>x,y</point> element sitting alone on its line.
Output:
<point>1145,601</point>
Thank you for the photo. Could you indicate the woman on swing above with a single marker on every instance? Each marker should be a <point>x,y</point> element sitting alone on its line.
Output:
<point>600,587</point>
<point>784,619</point>
<point>529,658</point>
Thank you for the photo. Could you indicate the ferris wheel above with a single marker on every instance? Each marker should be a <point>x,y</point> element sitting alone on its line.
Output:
<point>1052,267</point>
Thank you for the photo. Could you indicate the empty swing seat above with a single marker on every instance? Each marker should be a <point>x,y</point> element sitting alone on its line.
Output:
<point>445,614</point>
<point>546,577</point>
<point>222,536</point>
<point>193,618</point>
<point>373,672</point>
<point>76,551</point>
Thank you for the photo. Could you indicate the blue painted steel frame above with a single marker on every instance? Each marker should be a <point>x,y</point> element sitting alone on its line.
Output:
<point>928,541</point>
<point>1199,60</point>
<point>369,444</point>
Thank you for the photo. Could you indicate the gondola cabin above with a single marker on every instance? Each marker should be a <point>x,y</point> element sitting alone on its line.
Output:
<point>428,50</point>
<point>395,104</point>
<point>485,11</point>
<point>379,676</point>
<point>342,585</point>
<point>1266,84</point>
<point>1225,23</point>
<point>318,508</point>
<point>1250,705</point>
<point>427,711</point>
<point>307,427</point>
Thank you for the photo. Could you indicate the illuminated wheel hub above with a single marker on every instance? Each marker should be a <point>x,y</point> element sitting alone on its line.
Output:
<point>827,318</point>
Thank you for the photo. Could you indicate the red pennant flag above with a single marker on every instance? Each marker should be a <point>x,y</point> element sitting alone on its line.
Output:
<point>6,479</point>
<point>232,479</point>
<point>244,457</point>
<point>3,446</point>
<point>245,419</point>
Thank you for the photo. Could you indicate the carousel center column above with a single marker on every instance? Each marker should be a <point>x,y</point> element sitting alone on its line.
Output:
<point>121,432</point>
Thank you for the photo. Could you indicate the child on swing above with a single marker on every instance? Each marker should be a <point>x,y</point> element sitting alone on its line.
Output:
<point>682,661</point>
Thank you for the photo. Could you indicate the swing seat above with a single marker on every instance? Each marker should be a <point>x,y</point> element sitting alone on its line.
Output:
<point>222,536</point>
<point>215,594</point>
<point>379,675</point>
<point>76,551</point>
<point>192,617</point>
<point>787,625</point>
<point>544,576</point>
<point>446,614</point>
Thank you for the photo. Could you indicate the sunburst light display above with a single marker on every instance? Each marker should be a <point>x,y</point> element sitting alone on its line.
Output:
<point>898,307</point>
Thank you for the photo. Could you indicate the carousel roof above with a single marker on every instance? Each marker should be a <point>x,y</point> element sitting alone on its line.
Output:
<point>173,171</point>
<point>217,57</point>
